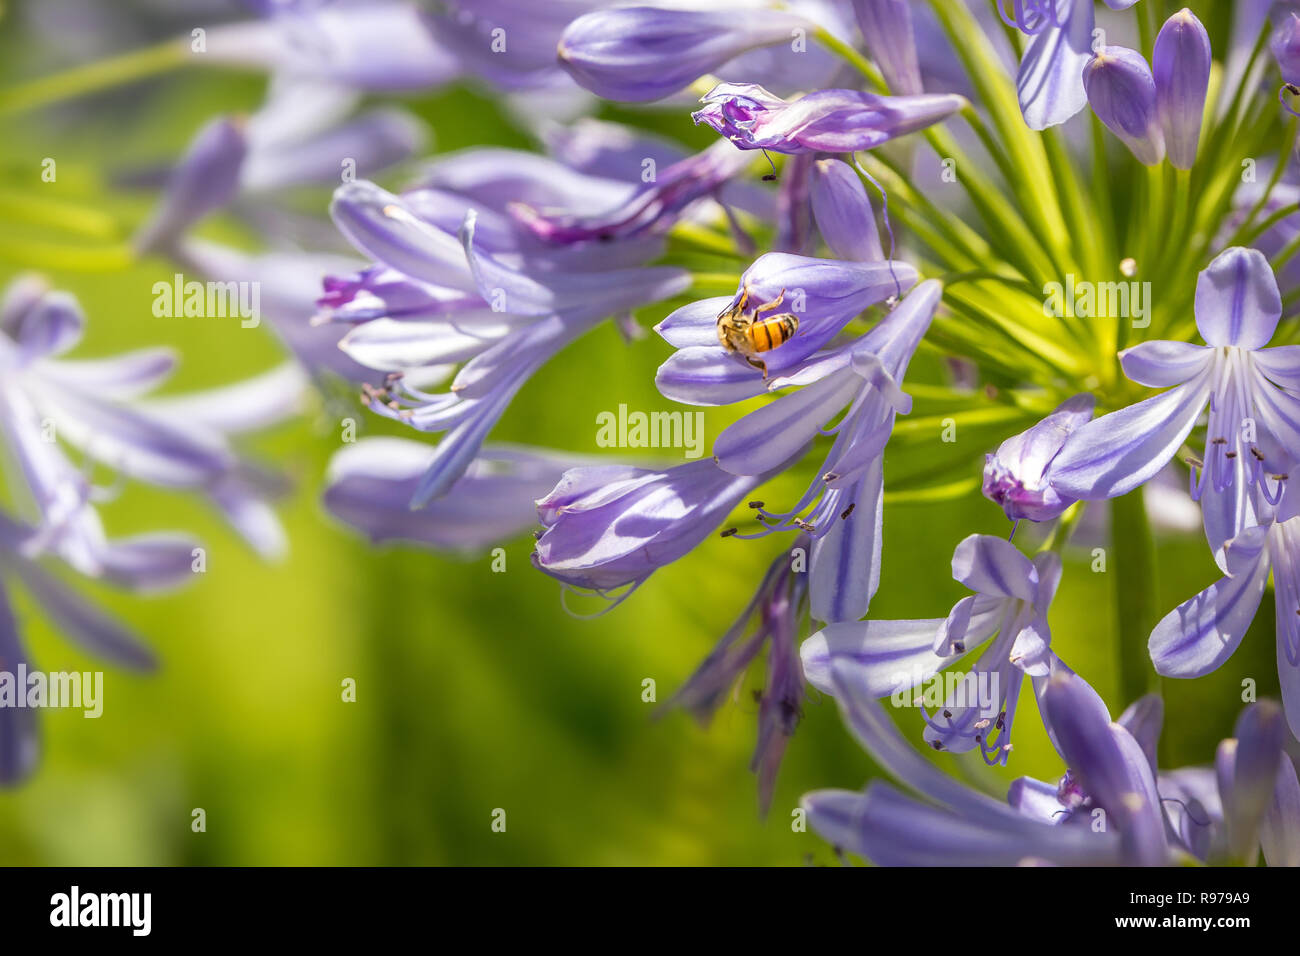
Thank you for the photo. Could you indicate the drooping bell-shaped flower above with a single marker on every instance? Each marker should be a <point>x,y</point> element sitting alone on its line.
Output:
<point>824,294</point>
<point>954,824</point>
<point>370,484</point>
<point>611,526</point>
<point>772,617</point>
<point>879,658</point>
<point>503,315</point>
<point>1122,92</point>
<point>1016,475</point>
<point>825,121</point>
<point>1181,69</point>
<point>842,508</point>
<point>636,54</point>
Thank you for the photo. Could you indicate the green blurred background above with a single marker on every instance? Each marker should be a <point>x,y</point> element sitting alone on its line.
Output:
<point>475,690</point>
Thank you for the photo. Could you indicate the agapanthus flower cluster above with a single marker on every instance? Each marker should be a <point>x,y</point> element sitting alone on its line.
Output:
<point>854,277</point>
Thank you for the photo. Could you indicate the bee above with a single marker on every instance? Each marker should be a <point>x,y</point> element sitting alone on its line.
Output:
<point>741,330</point>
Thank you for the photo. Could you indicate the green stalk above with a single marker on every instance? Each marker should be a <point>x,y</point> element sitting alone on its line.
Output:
<point>93,77</point>
<point>1033,184</point>
<point>1134,575</point>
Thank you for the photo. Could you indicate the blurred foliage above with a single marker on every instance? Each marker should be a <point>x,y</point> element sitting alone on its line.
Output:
<point>475,690</point>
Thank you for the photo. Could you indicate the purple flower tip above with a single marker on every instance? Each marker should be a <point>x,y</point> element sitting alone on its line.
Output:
<point>1122,93</point>
<point>1016,476</point>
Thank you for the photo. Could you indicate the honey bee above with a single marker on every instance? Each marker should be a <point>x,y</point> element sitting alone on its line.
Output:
<point>741,330</point>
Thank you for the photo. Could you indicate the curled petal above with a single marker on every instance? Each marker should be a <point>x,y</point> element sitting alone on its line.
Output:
<point>1201,633</point>
<point>1161,363</point>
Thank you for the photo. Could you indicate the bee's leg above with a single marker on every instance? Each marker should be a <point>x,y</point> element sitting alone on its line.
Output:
<point>766,306</point>
<point>761,366</point>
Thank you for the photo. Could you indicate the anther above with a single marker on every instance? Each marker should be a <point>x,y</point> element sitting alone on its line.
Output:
<point>728,533</point>
<point>847,511</point>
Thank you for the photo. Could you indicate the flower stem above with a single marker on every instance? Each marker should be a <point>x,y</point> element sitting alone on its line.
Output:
<point>92,77</point>
<point>1134,574</point>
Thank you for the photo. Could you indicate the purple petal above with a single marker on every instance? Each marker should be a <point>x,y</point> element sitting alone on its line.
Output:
<point>872,658</point>
<point>1122,93</point>
<point>1050,80</point>
<point>994,566</point>
<point>19,746</point>
<point>1237,301</point>
<point>50,327</point>
<point>694,324</point>
<point>1143,719</point>
<point>845,569</point>
<point>1116,453</point>
<point>635,54</point>
<point>1161,363</point>
<point>206,179</point>
<point>1279,831</point>
<point>1111,766</point>
<point>843,212</point>
<point>770,435</point>
<point>84,623</point>
<point>1280,365</point>
<point>705,376</point>
<point>1201,633</point>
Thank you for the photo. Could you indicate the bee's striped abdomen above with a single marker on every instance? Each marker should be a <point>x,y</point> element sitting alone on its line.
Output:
<point>767,334</point>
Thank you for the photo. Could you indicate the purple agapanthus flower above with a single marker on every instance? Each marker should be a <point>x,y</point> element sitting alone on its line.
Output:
<point>502,313</point>
<point>99,407</point>
<point>1110,807</point>
<point>772,618</point>
<point>644,53</point>
<point>609,527</point>
<point>826,121</point>
<point>880,658</point>
<point>825,294</point>
<point>1249,388</point>
<point>370,485</point>
<point>51,405</point>
<point>1016,475</point>
<point>841,509</point>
